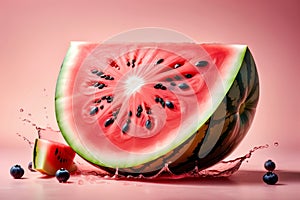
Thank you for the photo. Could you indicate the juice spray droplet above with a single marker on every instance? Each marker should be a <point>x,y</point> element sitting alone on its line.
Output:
<point>21,110</point>
<point>26,140</point>
<point>116,175</point>
<point>276,144</point>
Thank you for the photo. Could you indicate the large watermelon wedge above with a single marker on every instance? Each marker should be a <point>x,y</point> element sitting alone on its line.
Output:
<point>138,106</point>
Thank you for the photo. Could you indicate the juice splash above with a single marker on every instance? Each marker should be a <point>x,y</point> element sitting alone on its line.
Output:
<point>221,169</point>
<point>47,132</point>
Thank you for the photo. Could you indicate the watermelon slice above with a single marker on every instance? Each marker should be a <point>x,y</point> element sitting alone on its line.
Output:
<point>138,106</point>
<point>49,156</point>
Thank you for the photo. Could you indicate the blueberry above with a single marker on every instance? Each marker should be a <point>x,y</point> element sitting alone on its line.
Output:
<point>270,178</point>
<point>30,167</point>
<point>16,171</point>
<point>269,165</point>
<point>62,175</point>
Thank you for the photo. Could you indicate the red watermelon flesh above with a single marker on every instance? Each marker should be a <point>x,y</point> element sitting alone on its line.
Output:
<point>127,105</point>
<point>49,156</point>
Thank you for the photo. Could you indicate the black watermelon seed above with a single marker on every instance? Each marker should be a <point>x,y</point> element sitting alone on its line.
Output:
<point>101,86</point>
<point>103,76</point>
<point>138,114</point>
<point>107,77</point>
<point>177,77</point>
<point>157,99</point>
<point>188,75</point>
<point>94,111</point>
<point>94,71</point>
<point>125,128</point>
<point>99,73</point>
<point>169,104</point>
<point>148,111</point>
<point>128,121</point>
<point>130,113</point>
<point>158,86</point>
<point>111,78</point>
<point>115,113</point>
<point>109,100</point>
<point>148,124</point>
<point>169,79</point>
<point>96,84</point>
<point>160,100</point>
<point>103,98</point>
<point>98,101</point>
<point>163,87</point>
<point>109,122</point>
<point>183,86</point>
<point>162,103</point>
<point>177,65</point>
<point>56,151</point>
<point>160,61</point>
<point>133,63</point>
<point>140,108</point>
<point>201,63</point>
<point>128,64</point>
<point>173,83</point>
<point>101,107</point>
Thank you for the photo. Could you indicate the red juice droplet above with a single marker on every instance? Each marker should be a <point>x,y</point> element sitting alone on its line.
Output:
<point>276,144</point>
<point>21,110</point>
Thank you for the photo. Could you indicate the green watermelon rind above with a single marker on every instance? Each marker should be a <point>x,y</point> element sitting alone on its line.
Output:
<point>62,80</point>
<point>79,148</point>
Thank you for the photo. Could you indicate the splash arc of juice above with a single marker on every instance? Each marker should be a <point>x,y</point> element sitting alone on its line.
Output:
<point>221,169</point>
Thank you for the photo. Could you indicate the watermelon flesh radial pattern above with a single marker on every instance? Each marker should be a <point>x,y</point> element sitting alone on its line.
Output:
<point>138,106</point>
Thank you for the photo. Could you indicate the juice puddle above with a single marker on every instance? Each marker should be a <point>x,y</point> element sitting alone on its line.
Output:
<point>221,169</point>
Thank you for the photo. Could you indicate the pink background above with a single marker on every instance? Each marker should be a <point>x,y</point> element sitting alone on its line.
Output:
<point>35,36</point>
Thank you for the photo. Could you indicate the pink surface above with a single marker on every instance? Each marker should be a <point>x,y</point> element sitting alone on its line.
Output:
<point>36,35</point>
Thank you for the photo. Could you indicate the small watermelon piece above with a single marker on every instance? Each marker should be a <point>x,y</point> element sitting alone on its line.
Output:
<point>138,106</point>
<point>49,156</point>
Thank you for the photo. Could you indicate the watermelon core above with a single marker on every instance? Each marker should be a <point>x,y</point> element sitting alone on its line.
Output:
<point>138,106</point>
